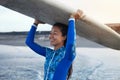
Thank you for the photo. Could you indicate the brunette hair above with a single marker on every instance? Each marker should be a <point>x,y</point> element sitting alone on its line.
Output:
<point>64,29</point>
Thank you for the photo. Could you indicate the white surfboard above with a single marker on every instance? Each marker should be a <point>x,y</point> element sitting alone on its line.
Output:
<point>51,11</point>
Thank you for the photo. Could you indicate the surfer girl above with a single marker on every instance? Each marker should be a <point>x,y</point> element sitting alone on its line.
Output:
<point>58,63</point>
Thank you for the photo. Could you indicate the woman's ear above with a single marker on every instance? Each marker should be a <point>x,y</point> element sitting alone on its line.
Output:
<point>65,37</point>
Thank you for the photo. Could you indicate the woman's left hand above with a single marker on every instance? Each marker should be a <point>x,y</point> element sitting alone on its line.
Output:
<point>77,15</point>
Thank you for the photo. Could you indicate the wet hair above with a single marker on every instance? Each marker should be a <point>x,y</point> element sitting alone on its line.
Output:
<point>64,29</point>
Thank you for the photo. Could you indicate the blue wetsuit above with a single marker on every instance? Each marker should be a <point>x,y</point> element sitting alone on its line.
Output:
<point>58,61</point>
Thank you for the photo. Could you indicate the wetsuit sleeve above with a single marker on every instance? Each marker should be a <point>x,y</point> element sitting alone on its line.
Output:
<point>71,40</point>
<point>34,46</point>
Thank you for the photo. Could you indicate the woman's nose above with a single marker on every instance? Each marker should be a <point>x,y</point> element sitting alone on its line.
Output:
<point>50,36</point>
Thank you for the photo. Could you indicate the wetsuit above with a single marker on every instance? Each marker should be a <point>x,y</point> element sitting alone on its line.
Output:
<point>58,61</point>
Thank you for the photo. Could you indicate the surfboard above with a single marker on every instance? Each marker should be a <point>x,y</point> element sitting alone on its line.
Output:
<point>51,11</point>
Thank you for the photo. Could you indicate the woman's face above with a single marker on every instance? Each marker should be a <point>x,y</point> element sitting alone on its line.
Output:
<point>56,38</point>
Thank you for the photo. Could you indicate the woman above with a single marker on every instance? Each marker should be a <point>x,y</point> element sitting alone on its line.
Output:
<point>58,64</point>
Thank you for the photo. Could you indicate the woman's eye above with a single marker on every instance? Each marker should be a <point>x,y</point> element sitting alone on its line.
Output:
<point>55,33</point>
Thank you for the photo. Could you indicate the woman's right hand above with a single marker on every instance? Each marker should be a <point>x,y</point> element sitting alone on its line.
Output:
<point>36,22</point>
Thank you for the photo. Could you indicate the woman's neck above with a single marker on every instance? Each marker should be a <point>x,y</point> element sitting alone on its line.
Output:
<point>57,47</point>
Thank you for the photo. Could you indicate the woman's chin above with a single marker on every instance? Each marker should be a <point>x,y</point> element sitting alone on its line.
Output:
<point>51,44</point>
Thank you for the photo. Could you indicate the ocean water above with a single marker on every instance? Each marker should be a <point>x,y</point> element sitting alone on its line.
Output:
<point>21,63</point>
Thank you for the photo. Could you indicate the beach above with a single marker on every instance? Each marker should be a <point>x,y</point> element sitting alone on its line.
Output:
<point>92,62</point>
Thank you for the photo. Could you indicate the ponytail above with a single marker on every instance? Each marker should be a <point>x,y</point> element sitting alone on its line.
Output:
<point>70,72</point>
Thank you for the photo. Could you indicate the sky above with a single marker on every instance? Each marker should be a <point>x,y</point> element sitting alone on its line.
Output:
<point>105,11</point>
<point>13,21</point>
